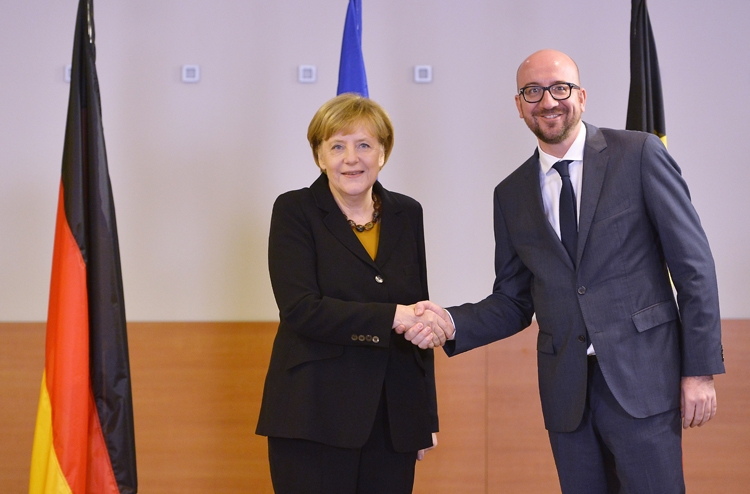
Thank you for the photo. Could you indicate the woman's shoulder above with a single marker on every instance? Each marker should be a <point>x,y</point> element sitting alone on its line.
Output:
<point>292,204</point>
<point>407,202</point>
<point>291,195</point>
<point>296,194</point>
<point>317,191</point>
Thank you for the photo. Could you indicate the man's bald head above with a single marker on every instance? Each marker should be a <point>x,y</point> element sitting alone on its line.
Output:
<point>546,61</point>
<point>555,120</point>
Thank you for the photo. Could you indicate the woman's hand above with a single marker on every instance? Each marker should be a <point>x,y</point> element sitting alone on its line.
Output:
<point>426,330</point>
<point>421,452</point>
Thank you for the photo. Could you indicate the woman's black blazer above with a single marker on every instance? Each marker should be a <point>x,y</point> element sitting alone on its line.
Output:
<point>335,352</point>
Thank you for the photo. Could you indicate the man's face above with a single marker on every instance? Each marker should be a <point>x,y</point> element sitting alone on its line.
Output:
<point>552,121</point>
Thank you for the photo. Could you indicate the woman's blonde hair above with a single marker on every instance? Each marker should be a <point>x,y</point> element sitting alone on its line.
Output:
<point>344,113</point>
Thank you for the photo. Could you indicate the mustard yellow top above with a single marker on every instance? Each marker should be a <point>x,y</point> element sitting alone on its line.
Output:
<point>370,239</point>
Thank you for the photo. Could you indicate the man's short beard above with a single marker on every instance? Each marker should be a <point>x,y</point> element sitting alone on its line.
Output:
<point>552,140</point>
<point>557,139</point>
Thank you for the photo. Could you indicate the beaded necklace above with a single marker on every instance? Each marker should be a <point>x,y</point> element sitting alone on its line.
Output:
<point>375,217</point>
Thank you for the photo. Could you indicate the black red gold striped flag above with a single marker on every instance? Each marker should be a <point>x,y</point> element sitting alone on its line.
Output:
<point>645,103</point>
<point>84,438</point>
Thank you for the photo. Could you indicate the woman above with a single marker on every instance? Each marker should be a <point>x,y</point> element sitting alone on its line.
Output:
<point>348,403</point>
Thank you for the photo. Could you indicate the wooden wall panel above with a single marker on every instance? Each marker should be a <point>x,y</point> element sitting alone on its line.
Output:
<point>196,397</point>
<point>717,455</point>
<point>459,463</point>
<point>519,454</point>
<point>21,368</point>
<point>197,388</point>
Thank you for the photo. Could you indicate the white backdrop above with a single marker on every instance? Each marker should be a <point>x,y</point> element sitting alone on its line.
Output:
<point>196,167</point>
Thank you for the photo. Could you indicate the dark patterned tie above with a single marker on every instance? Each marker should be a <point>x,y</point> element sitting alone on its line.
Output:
<point>568,220</point>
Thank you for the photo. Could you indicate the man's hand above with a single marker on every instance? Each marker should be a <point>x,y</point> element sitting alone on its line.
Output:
<point>446,323</point>
<point>428,306</point>
<point>425,330</point>
<point>698,400</point>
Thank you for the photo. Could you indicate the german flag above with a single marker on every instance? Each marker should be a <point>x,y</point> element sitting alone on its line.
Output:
<point>645,103</point>
<point>84,440</point>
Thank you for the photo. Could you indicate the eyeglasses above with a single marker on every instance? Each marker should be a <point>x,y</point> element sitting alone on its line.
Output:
<point>560,91</point>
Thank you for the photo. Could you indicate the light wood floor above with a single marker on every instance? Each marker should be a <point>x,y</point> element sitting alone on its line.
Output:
<point>196,394</point>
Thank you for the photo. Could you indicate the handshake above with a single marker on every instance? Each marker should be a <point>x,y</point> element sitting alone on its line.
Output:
<point>425,324</point>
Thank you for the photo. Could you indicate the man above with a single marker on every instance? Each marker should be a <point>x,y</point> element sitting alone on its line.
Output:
<point>589,248</point>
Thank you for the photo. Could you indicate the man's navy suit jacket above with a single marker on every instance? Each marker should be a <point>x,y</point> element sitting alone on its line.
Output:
<point>637,226</point>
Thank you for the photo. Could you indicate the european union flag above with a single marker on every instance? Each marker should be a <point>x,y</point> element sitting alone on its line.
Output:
<point>352,77</point>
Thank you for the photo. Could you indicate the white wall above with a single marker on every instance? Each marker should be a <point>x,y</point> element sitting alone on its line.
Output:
<point>195,168</point>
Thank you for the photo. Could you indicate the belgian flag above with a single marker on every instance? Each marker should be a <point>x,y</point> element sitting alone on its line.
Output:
<point>84,439</point>
<point>645,103</point>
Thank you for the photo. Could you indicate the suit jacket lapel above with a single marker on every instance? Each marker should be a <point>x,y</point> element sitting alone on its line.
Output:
<point>532,188</point>
<point>595,158</point>
<point>392,224</point>
<point>335,220</point>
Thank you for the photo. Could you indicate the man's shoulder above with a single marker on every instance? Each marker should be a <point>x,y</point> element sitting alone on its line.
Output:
<point>614,137</point>
<point>527,173</point>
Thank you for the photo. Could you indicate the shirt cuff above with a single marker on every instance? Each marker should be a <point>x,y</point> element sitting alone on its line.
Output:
<point>455,329</point>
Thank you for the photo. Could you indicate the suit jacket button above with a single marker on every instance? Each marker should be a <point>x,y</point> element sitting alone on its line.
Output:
<point>581,290</point>
<point>379,278</point>
<point>368,337</point>
<point>354,337</point>
<point>376,339</point>
<point>582,338</point>
<point>361,337</point>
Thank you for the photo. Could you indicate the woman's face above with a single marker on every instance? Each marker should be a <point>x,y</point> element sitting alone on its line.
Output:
<point>352,160</point>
